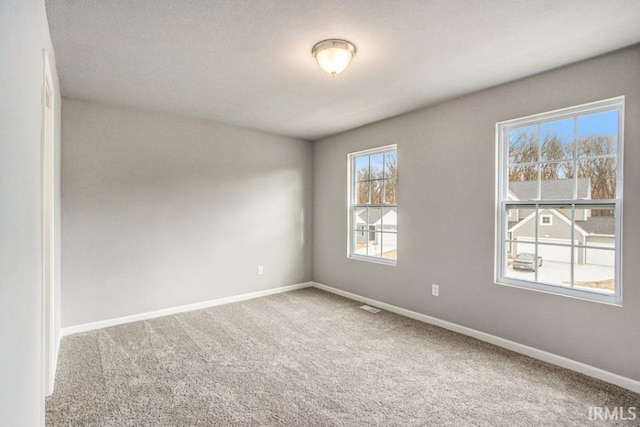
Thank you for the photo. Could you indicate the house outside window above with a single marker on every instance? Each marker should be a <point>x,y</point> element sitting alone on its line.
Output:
<point>373,205</point>
<point>559,201</point>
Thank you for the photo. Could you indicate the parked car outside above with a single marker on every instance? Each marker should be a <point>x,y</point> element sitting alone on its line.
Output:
<point>524,261</point>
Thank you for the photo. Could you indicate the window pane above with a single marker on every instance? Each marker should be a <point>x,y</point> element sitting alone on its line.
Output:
<point>376,165</point>
<point>594,270</point>
<point>390,245</point>
<point>523,144</point>
<point>519,217</point>
<point>594,267</point>
<point>362,192</point>
<point>375,244</point>
<point>377,188</point>
<point>523,182</point>
<point>391,164</point>
<point>512,213</point>
<point>557,139</point>
<point>597,134</point>
<point>390,219</point>
<point>512,218</point>
<point>556,181</point>
<point>510,255</point>
<point>518,270</point>
<point>360,217</point>
<point>360,239</point>
<point>360,233</point>
<point>375,219</point>
<point>554,224</point>
<point>602,258</point>
<point>362,168</point>
<point>595,226</point>
<point>597,177</point>
<point>554,265</point>
<point>391,191</point>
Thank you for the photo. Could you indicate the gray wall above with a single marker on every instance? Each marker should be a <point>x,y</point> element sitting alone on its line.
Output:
<point>161,211</point>
<point>24,33</point>
<point>446,160</point>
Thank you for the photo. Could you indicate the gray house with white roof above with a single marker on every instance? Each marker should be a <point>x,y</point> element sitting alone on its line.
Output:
<point>370,223</point>
<point>554,225</point>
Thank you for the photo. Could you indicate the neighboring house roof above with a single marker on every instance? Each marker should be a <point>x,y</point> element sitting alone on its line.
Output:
<point>599,225</point>
<point>374,215</point>
<point>512,224</point>
<point>551,189</point>
<point>561,189</point>
<point>390,218</point>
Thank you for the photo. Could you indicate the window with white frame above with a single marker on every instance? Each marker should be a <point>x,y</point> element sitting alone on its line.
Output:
<point>373,205</point>
<point>561,174</point>
<point>546,220</point>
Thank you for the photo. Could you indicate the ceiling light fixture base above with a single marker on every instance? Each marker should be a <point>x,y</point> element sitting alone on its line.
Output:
<point>333,55</point>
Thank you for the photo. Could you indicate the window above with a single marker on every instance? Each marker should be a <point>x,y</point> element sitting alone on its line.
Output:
<point>560,201</point>
<point>544,219</point>
<point>373,205</point>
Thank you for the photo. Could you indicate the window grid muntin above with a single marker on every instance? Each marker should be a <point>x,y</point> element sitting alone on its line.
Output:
<point>538,206</point>
<point>352,157</point>
<point>612,104</point>
<point>593,294</point>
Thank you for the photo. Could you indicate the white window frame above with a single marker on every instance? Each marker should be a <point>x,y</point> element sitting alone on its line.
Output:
<point>542,218</point>
<point>502,202</point>
<point>351,196</point>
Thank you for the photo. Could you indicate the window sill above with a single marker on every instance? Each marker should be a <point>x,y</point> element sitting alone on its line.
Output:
<point>591,296</point>
<point>374,260</point>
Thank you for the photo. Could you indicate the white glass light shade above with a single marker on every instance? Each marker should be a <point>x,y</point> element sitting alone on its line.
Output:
<point>333,55</point>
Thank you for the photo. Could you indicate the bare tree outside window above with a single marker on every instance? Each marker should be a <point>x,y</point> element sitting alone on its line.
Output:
<point>596,161</point>
<point>374,208</point>
<point>379,186</point>
<point>559,201</point>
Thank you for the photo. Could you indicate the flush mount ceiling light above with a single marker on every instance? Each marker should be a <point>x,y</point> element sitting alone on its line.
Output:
<point>333,55</point>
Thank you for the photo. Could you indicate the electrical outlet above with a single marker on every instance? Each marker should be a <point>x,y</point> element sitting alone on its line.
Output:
<point>435,290</point>
<point>260,270</point>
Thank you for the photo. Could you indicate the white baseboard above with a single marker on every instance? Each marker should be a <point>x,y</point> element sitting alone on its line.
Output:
<point>85,327</point>
<point>535,353</point>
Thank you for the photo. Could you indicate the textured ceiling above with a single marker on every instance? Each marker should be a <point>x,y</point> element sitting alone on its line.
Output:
<point>248,62</point>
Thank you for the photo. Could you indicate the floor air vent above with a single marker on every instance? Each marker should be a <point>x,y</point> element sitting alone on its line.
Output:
<point>370,309</point>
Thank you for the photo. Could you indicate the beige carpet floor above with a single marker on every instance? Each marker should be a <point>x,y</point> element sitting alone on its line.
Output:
<point>309,358</point>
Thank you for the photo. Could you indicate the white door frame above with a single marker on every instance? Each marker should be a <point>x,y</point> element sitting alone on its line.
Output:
<point>48,226</point>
